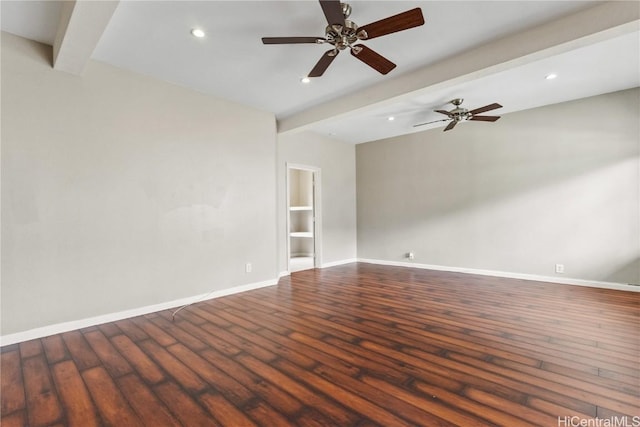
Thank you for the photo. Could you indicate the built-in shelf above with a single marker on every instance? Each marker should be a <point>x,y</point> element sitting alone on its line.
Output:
<point>301,234</point>
<point>301,222</point>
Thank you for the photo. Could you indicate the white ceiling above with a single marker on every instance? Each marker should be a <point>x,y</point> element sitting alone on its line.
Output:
<point>483,51</point>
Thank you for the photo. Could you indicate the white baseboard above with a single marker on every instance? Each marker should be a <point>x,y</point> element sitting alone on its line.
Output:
<point>534,277</point>
<point>341,262</point>
<point>284,273</point>
<point>112,317</point>
<point>58,328</point>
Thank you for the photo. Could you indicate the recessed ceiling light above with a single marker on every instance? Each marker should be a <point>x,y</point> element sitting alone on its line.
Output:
<point>197,32</point>
<point>305,80</point>
<point>550,76</point>
<point>391,118</point>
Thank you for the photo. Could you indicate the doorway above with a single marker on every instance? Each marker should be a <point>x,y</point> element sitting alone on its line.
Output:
<point>303,226</point>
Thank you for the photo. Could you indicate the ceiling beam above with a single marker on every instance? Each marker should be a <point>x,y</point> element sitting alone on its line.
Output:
<point>82,23</point>
<point>607,20</point>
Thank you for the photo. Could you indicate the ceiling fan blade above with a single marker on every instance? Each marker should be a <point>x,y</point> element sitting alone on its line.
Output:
<point>372,59</point>
<point>324,62</point>
<point>485,118</point>
<point>292,40</point>
<point>485,108</point>
<point>428,123</point>
<point>451,125</point>
<point>445,112</point>
<point>333,12</point>
<point>402,21</point>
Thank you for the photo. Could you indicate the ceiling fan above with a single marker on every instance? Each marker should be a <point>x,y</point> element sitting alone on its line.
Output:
<point>459,114</point>
<point>342,33</point>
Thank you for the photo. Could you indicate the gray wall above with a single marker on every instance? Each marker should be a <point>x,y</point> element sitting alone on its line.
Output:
<point>337,163</point>
<point>558,184</point>
<point>121,191</point>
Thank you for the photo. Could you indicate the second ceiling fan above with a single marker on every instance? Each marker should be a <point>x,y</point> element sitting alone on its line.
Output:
<point>342,33</point>
<point>460,114</point>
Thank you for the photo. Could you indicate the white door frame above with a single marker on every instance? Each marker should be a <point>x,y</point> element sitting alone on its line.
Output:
<point>317,213</point>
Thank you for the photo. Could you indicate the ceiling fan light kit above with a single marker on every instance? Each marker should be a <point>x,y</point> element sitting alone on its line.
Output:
<point>342,33</point>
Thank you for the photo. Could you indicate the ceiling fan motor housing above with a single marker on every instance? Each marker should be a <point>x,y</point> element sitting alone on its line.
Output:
<point>342,36</point>
<point>458,114</point>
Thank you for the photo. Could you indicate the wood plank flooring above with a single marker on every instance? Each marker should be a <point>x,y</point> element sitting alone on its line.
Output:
<point>354,345</point>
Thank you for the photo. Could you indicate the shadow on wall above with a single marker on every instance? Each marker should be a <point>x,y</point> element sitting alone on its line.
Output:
<point>626,271</point>
<point>41,51</point>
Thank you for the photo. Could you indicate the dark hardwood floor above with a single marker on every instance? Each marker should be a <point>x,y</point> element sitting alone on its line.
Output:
<point>354,345</point>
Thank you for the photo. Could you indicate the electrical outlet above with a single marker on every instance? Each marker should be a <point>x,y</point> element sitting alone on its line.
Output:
<point>411,255</point>
<point>248,267</point>
<point>560,268</point>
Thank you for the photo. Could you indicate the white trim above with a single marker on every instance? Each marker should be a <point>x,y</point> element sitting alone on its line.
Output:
<point>341,262</point>
<point>284,274</point>
<point>58,328</point>
<point>316,208</point>
<point>535,277</point>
